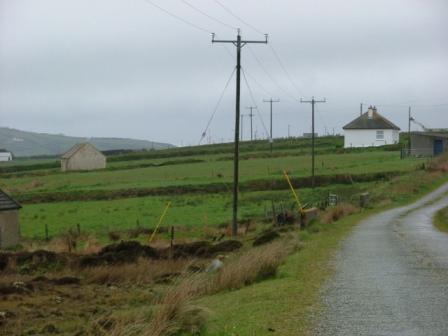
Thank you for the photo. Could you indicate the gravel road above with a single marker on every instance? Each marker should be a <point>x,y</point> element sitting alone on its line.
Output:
<point>391,275</point>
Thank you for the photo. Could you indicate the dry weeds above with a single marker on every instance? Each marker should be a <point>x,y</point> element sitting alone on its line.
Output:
<point>339,211</point>
<point>143,271</point>
<point>255,265</point>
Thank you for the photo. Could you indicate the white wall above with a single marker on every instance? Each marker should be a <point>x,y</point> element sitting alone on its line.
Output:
<point>5,156</point>
<point>367,138</point>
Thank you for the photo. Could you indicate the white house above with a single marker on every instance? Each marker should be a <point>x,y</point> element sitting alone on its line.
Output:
<point>5,156</point>
<point>370,129</point>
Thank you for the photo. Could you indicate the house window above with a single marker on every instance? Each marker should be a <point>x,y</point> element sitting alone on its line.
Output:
<point>380,135</point>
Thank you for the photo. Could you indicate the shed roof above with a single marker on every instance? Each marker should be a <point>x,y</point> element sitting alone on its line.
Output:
<point>432,134</point>
<point>72,151</point>
<point>376,121</point>
<point>7,203</point>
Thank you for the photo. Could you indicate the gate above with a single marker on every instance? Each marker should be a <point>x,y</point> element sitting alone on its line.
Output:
<point>438,147</point>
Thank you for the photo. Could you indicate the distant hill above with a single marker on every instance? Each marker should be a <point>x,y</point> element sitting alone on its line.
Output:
<point>22,143</point>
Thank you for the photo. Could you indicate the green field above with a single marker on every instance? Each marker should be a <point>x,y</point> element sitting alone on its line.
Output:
<point>212,171</point>
<point>190,211</point>
<point>204,166</point>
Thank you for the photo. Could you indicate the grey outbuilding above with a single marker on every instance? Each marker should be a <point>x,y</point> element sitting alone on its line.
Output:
<point>9,221</point>
<point>83,156</point>
<point>428,143</point>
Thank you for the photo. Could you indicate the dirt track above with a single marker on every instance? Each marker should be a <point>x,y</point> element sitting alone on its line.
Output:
<point>391,276</point>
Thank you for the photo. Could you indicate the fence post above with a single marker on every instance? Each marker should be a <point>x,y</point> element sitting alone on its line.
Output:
<point>274,215</point>
<point>46,232</point>
<point>172,242</point>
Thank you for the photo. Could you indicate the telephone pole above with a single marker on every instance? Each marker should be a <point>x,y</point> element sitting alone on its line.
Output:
<point>251,115</point>
<point>242,128</point>
<point>312,102</point>
<point>409,130</point>
<point>271,101</point>
<point>238,43</point>
<point>360,109</point>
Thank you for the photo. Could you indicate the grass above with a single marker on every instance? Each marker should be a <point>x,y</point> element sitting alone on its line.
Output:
<point>283,303</point>
<point>175,313</point>
<point>191,211</point>
<point>287,303</point>
<point>441,220</point>
<point>209,172</point>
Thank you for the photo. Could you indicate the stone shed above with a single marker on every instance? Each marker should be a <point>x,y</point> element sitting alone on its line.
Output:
<point>83,156</point>
<point>428,143</point>
<point>9,221</point>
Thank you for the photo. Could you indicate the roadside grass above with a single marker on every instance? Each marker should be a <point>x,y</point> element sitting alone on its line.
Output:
<point>441,220</point>
<point>290,303</point>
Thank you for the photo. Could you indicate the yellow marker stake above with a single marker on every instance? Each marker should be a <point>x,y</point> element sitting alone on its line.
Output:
<point>299,205</point>
<point>160,222</point>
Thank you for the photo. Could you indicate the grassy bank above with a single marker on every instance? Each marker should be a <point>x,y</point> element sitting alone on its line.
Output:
<point>441,220</point>
<point>287,303</point>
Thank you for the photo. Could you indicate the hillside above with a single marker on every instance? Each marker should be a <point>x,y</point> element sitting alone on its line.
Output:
<point>22,143</point>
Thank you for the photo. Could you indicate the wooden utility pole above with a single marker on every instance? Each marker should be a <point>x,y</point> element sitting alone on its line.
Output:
<point>271,101</point>
<point>251,116</point>
<point>312,102</point>
<point>409,130</point>
<point>238,43</point>
<point>242,128</point>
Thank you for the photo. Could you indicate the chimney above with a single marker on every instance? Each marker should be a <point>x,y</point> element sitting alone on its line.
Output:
<point>370,111</point>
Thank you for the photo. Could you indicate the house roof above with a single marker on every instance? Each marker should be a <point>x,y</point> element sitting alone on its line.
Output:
<point>376,121</point>
<point>7,203</point>
<point>68,154</point>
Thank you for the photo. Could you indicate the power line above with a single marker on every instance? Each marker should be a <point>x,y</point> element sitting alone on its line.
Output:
<point>216,107</point>
<point>253,100</point>
<point>258,83</point>
<point>208,15</point>
<point>178,17</point>
<point>277,57</point>
<point>239,18</point>
<point>270,76</point>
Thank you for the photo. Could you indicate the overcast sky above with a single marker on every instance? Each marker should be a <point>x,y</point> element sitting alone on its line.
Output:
<point>125,68</point>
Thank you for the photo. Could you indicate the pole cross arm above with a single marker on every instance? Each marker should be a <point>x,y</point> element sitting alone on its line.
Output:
<point>243,42</point>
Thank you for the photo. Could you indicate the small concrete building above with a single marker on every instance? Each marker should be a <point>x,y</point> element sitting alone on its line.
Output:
<point>83,156</point>
<point>370,129</point>
<point>5,155</point>
<point>9,221</point>
<point>428,143</point>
